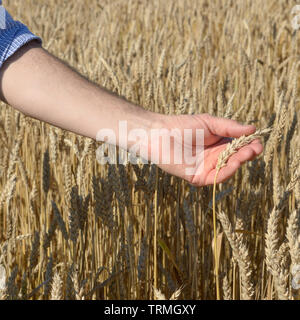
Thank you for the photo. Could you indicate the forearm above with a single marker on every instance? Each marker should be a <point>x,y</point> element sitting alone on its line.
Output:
<point>41,86</point>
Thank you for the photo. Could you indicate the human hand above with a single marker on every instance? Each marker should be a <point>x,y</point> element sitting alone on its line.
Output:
<point>217,133</point>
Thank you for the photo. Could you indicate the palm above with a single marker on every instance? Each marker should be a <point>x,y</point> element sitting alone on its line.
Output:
<point>217,134</point>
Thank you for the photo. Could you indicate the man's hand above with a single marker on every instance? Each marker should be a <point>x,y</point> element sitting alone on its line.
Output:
<point>218,132</point>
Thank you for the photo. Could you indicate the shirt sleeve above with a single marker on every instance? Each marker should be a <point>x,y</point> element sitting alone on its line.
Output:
<point>13,35</point>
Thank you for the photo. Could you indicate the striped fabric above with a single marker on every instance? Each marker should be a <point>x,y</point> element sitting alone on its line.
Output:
<point>13,35</point>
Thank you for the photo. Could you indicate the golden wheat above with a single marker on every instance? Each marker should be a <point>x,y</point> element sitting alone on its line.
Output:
<point>71,228</point>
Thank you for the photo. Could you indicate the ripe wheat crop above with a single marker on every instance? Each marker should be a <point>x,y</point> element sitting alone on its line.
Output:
<point>71,228</point>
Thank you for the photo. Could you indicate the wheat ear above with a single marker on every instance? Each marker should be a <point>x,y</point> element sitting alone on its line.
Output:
<point>222,160</point>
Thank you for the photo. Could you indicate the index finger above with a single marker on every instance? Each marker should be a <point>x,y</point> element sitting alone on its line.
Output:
<point>227,128</point>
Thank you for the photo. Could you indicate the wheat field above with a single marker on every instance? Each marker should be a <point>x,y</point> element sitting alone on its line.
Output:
<point>71,228</point>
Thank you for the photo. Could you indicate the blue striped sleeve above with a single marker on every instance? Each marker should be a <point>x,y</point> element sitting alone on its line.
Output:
<point>13,35</point>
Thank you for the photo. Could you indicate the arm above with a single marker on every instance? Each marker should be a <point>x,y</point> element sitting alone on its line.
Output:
<point>41,86</point>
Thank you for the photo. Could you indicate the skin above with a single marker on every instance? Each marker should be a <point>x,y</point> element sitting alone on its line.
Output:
<point>41,86</point>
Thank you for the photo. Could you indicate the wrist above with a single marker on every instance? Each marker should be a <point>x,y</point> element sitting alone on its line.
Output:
<point>127,125</point>
<point>139,131</point>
